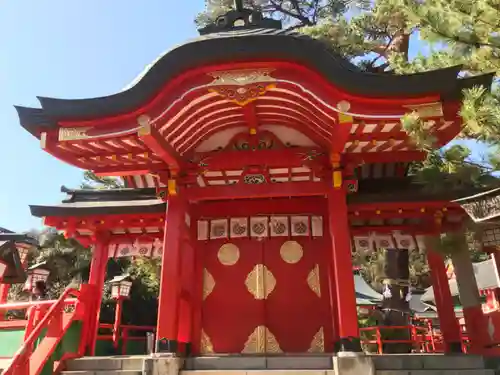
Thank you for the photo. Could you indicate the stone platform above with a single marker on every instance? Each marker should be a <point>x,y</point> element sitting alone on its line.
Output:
<point>413,364</point>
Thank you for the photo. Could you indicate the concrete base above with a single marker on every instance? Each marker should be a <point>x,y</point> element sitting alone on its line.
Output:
<point>353,364</point>
<point>249,362</point>
<point>162,365</point>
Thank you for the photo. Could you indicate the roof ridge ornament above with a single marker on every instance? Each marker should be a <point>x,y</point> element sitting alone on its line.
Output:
<point>240,19</point>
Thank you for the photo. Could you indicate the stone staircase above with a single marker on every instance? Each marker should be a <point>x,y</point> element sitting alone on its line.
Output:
<point>414,364</point>
<point>119,365</point>
<point>433,364</point>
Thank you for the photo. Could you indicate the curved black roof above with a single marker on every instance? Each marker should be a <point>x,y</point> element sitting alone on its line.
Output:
<point>82,202</point>
<point>243,45</point>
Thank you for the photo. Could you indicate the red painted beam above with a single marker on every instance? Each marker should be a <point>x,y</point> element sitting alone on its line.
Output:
<point>287,158</point>
<point>410,229</point>
<point>287,189</point>
<point>134,171</point>
<point>276,206</point>
<point>384,157</point>
<point>394,206</point>
<point>156,143</point>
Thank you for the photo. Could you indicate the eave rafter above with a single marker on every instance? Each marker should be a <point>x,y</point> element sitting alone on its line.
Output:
<point>157,144</point>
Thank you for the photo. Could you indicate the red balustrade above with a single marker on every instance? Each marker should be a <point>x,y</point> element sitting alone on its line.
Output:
<point>124,336</point>
<point>49,317</point>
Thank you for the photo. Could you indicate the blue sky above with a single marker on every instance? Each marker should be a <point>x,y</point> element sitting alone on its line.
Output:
<point>70,49</point>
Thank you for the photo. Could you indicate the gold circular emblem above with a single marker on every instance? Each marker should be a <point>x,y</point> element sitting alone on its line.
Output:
<point>291,252</point>
<point>228,254</point>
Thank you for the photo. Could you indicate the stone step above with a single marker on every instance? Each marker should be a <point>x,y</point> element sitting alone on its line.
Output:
<point>257,372</point>
<point>415,362</point>
<point>305,362</point>
<point>117,363</point>
<point>436,372</point>
<point>104,372</point>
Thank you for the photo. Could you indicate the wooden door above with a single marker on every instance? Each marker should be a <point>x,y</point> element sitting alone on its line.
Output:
<point>233,304</point>
<point>265,296</point>
<point>298,311</point>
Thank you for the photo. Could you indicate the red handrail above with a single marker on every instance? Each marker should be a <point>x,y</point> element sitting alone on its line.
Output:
<point>124,330</point>
<point>19,357</point>
<point>28,304</point>
<point>419,338</point>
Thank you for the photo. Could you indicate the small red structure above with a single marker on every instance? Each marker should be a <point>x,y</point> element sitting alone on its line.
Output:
<point>254,159</point>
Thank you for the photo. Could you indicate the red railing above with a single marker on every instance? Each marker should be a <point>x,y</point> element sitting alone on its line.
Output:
<point>49,316</point>
<point>423,339</point>
<point>123,336</point>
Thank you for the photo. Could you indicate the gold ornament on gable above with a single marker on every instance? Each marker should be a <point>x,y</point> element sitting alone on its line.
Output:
<point>242,86</point>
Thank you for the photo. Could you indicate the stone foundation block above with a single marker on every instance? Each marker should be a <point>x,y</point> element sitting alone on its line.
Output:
<point>355,364</point>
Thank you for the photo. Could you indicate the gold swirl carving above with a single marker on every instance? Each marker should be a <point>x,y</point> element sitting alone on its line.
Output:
<point>291,252</point>
<point>208,283</point>
<point>261,341</point>
<point>313,281</point>
<point>206,346</point>
<point>228,254</point>
<point>260,282</point>
<point>318,342</point>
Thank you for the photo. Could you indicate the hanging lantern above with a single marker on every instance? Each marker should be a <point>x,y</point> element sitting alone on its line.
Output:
<point>120,287</point>
<point>36,273</point>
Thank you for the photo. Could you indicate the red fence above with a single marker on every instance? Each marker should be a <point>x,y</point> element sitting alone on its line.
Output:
<point>125,334</point>
<point>421,338</point>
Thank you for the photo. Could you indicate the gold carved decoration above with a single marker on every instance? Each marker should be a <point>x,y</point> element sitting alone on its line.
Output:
<point>241,77</point>
<point>313,281</point>
<point>206,346</point>
<point>260,282</point>
<point>291,252</point>
<point>318,342</point>
<point>208,283</point>
<point>427,109</point>
<point>73,134</point>
<point>242,86</point>
<point>261,341</point>
<point>228,254</point>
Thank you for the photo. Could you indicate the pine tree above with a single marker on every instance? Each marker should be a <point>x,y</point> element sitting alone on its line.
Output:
<point>460,33</point>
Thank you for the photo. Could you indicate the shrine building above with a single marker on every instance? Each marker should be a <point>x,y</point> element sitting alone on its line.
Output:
<point>256,160</point>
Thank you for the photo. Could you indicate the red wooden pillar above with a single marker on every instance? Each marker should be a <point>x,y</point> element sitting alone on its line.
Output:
<point>170,283</point>
<point>185,337</point>
<point>96,280</point>
<point>342,276</point>
<point>333,302</point>
<point>444,303</point>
